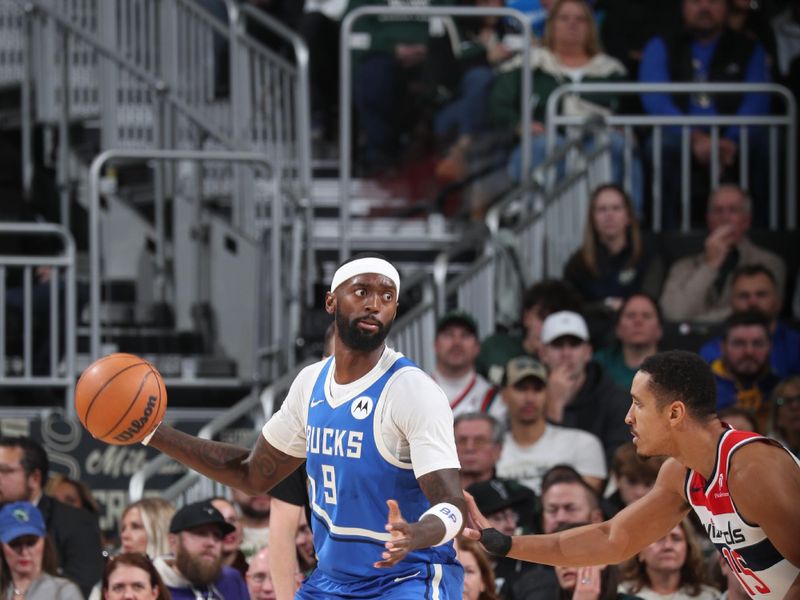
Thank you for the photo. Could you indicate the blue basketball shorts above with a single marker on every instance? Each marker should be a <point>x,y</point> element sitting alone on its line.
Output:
<point>421,581</point>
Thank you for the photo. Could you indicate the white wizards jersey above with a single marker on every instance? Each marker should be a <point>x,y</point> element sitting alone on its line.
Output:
<point>763,572</point>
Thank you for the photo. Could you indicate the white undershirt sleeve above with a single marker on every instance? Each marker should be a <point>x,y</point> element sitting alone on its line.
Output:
<point>420,412</point>
<point>286,430</point>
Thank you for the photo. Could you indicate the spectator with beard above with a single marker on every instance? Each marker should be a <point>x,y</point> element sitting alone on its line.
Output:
<point>456,346</point>
<point>259,579</point>
<point>375,431</point>
<point>232,555</point>
<point>743,373</point>
<point>532,445</point>
<point>579,392</point>
<point>754,287</point>
<point>195,570</point>
<point>254,517</point>
<point>638,331</point>
<point>479,441</point>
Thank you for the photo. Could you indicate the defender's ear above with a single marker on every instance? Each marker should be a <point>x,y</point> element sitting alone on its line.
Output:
<point>330,303</point>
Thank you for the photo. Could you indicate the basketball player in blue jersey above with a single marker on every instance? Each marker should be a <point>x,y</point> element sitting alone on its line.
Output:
<point>376,433</point>
<point>744,488</point>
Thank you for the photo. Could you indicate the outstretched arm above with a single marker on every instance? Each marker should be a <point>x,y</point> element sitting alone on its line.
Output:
<point>612,541</point>
<point>252,471</point>
<point>442,486</point>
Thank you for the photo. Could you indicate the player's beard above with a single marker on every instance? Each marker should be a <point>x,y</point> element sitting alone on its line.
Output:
<point>199,571</point>
<point>355,338</point>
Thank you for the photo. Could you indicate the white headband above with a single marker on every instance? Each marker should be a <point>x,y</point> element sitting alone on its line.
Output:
<point>365,265</point>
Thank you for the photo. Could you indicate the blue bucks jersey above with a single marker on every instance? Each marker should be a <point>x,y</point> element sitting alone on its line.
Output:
<point>350,479</point>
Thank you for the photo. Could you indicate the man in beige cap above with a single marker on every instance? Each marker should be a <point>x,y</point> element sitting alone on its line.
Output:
<point>532,445</point>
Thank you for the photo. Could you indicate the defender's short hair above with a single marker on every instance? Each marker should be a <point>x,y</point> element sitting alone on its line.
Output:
<point>684,376</point>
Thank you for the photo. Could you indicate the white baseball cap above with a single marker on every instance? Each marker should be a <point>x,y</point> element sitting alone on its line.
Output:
<point>563,323</point>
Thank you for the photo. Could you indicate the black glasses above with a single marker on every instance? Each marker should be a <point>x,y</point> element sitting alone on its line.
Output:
<point>788,401</point>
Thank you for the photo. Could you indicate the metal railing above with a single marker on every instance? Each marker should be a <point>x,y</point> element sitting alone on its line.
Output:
<point>56,297</point>
<point>787,121</point>
<point>346,82</point>
<point>283,299</point>
<point>547,226</point>
<point>193,486</point>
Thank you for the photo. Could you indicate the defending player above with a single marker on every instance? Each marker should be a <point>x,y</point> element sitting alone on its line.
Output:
<point>744,488</point>
<point>374,430</point>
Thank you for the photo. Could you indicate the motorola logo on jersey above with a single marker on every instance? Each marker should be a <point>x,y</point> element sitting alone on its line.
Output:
<point>361,407</point>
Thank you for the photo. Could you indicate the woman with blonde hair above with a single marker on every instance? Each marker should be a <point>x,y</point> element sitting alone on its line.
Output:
<point>671,568</point>
<point>570,54</point>
<point>144,527</point>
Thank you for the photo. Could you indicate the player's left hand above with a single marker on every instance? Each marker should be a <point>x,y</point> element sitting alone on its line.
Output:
<point>401,542</point>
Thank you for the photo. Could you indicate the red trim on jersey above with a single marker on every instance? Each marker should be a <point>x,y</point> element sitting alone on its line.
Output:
<point>714,493</point>
<point>487,399</point>
<point>466,391</point>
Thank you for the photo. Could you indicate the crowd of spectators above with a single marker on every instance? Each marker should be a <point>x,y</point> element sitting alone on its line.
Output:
<point>451,86</point>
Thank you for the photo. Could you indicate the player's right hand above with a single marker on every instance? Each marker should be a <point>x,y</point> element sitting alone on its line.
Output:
<point>475,521</point>
<point>401,543</point>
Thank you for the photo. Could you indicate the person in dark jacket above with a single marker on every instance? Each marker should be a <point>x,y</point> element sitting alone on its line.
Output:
<point>707,50</point>
<point>579,393</point>
<point>75,533</point>
<point>613,262</point>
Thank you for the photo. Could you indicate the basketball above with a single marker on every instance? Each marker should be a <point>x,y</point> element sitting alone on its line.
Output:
<point>120,398</point>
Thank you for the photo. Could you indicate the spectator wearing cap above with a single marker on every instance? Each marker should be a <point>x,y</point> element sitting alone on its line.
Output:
<point>579,393</point>
<point>479,440</point>
<point>566,499</point>
<point>638,331</point>
<point>456,346</point>
<point>195,569</point>
<point>743,373</point>
<point>75,533</point>
<point>510,507</point>
<point>633,475</point>
<point>539,301</point>
<point>754,287</point>
<point>532,445</point>
<point>28,563</point>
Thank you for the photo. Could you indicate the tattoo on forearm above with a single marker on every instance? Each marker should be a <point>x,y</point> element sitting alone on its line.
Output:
<point>259,469</point>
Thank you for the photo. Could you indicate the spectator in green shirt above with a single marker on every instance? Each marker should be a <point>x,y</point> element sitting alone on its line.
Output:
<point>638,331</point>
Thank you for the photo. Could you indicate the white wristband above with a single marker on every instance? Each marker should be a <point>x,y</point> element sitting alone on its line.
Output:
<point>146,439</point>
<point>450,516</point>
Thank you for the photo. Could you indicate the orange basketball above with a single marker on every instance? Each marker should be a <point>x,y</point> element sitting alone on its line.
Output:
<point>120,398</point>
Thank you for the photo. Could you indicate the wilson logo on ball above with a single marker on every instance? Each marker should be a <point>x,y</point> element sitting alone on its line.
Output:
<point>138,424</point>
